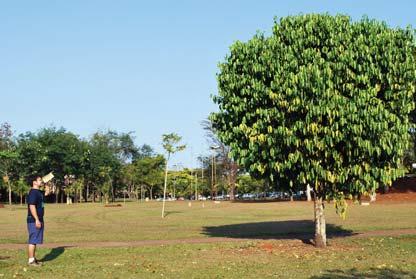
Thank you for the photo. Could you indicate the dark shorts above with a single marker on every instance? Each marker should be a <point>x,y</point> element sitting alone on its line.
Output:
<point>35,234</point>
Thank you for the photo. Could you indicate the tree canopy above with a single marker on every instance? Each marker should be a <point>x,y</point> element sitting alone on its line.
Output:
<point>322,100</point>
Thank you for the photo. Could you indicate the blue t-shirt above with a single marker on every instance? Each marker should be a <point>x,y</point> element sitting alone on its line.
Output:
<point>35,197</point>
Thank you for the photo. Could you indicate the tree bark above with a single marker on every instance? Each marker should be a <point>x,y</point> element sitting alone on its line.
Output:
<point>373,196</point>
<point>10,192</point>
<point>164,188</point>
<point>233,176</point>
<point>308,193</point>
<point>87,193</point>
<point>320,226</point>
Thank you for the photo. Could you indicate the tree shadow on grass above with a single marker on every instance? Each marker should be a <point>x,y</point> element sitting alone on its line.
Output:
<point>387,273</point>
<point>292,229</point>
<point>54,253</point>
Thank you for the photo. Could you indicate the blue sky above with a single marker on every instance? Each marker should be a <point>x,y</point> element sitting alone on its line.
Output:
<point>143,66</point>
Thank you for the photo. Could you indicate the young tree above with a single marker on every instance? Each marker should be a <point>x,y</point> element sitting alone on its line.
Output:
<point>8,156</point>
<point>20,187</point>
<point>324,101</point>
<point>171,144</point>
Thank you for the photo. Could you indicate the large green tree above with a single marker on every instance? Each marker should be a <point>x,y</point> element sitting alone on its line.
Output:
<point>322,100</point>
<point>51,149</point>
<point>108,150</point>
<point>149,173</point>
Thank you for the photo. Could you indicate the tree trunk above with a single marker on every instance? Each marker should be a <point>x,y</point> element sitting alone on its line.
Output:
<point>233,176</point>
<point>21,198</point>
<point>373,196</point>
<point>62,194</point>
<point>164,188</point>
<point>308,193</point>
<point>10,192</point>
<point>88,193</point>
<point>320,226</point>
<point>137,193</point>
<point>112,193</point>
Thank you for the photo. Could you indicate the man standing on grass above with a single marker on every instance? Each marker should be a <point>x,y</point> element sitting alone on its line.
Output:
<point>35,224</point>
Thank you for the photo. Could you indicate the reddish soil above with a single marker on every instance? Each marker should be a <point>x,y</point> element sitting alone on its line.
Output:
<point>404,197</point>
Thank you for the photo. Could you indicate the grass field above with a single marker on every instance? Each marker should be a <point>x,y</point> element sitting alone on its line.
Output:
<point>266,253</point>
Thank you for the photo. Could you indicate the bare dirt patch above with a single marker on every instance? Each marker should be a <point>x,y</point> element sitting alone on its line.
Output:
<point>403,197</point>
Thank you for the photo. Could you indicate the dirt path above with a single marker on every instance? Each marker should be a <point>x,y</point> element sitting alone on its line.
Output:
<point>139,243</point>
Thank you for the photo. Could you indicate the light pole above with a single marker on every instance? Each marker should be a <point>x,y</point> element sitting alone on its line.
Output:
<point>213,171</point>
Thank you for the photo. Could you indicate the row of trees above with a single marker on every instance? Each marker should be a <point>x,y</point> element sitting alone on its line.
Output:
<point>96,168</point>
<point>107,165</point>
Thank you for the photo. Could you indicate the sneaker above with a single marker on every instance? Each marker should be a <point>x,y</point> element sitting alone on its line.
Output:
<point>35,263</point>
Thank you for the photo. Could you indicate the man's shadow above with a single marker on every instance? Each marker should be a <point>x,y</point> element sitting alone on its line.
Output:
<point>292,229</point>
<point>54,253</point>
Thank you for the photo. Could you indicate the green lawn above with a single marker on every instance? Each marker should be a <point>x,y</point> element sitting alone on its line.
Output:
<point>135,221</point>
<point>381,257</point>
<point>271,257</point>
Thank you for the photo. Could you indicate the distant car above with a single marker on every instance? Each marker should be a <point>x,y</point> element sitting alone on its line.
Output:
<point>220,198</point>
<point>248,196</point>
<point>274,195</point>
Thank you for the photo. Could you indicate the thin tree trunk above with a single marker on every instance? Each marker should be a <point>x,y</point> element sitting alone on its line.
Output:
<point>88,192</point>
<point>137,193</point>
<point>112,193</point>
<point>10,192</point>
<point>21,198</point>
<point>320,226</point>
<point>164,189</point>
<point>62,195</point>
<point>233,173</point>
